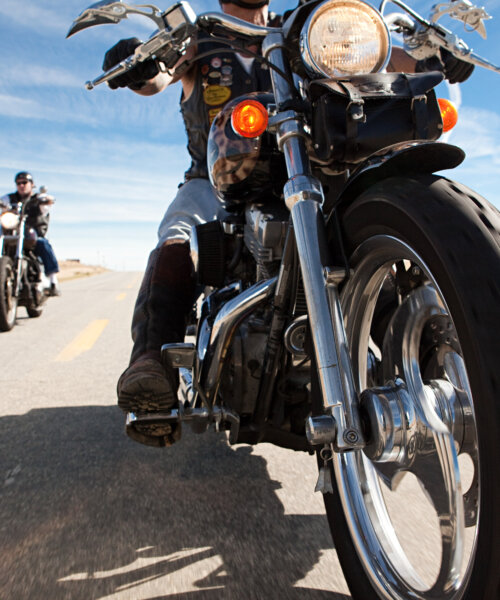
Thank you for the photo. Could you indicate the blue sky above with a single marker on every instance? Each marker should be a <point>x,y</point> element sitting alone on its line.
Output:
<point>113,159</point>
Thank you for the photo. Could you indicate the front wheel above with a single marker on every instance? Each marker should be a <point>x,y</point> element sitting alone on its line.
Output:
<point>8,302</point>
<point>415,514</point>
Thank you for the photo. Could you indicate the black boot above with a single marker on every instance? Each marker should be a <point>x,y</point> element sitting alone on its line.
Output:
<point>165,298</point>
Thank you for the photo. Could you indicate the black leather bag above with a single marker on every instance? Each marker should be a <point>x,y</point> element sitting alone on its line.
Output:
<point>353,119</point>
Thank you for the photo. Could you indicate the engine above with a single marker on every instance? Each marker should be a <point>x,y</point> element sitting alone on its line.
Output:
<point>217,248</point>
<point>264,236</point>
<point>244,367</point>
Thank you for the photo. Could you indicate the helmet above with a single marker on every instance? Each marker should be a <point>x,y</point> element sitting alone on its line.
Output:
<point>23,175</point>
<point>243,169</point>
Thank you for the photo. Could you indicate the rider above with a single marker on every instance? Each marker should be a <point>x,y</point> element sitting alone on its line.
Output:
<point>37,211</point>
<point>167,291</point>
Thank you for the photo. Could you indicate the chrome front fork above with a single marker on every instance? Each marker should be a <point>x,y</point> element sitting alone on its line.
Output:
<point>340,423</point>
<point>19,257</point>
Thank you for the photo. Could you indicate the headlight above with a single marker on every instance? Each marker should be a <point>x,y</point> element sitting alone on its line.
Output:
<point>9,220</point>
<point>342,38</point>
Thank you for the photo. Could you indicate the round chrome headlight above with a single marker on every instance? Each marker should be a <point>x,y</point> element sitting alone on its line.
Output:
<point>342,38</point>
<point>9,220</point>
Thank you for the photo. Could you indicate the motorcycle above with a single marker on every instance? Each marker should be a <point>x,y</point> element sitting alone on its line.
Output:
<point>22,277</point>
<point>351,297</point>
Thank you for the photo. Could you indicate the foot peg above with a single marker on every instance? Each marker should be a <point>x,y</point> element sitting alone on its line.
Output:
<point>165,422</point>
<point>153,429</point>
<point>181,356</point>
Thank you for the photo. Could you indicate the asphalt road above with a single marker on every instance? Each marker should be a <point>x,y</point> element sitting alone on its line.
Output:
<point>86,513</point>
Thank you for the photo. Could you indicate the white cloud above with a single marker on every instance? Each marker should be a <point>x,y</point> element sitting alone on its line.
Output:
<point>478,133</point>
<point>29,108</point>
<point>29,75</point>
<point>55,15</point>
<point>12,106</point>
<point>31,15</point>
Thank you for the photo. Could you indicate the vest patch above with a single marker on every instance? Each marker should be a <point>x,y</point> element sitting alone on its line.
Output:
<point>212,113</point>
<point>216,94</point>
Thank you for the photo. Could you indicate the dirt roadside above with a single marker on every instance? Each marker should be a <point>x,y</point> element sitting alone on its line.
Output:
<point>72,269</point>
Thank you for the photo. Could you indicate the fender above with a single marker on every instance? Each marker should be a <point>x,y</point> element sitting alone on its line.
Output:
<point>407,158</point>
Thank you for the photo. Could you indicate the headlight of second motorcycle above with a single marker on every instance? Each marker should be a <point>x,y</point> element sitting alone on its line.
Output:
<point>9,220</point>
<point>342,38</point>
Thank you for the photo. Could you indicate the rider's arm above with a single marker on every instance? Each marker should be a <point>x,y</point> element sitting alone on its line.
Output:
<point>46,200</point>
<point>454,69</point>
<point>146,78</point>
<point>165,78</point>
<point>5,203</point>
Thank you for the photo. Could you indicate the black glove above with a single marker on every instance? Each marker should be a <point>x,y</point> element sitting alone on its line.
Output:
<point>138,75</point>
<point>454,69</point>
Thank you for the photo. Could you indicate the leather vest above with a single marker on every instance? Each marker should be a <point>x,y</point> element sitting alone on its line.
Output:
<point>220,77</point>
<point>34,217</point>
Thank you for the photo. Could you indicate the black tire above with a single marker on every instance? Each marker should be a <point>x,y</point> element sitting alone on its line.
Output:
<point>34,311</point>
<point>456,234</point>
<point>8,304</point>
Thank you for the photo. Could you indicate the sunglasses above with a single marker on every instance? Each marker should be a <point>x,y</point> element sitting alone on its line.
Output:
<point>22,182</point>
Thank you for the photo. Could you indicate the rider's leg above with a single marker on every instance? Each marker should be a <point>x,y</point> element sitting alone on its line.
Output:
<point>165,298</point>
<point>44,250</point>
<point>163,303</point>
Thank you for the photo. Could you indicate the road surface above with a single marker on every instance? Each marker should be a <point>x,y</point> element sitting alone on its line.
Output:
<point>85,513</point>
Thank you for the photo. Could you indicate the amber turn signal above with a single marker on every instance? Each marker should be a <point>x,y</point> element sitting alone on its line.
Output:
<point>449,114</point>
<point>249,118</point>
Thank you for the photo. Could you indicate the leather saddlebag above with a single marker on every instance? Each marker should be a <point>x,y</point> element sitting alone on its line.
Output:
<point>353,119</point>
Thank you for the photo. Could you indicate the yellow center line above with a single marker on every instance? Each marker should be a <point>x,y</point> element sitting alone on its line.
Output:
<point>121,296</point>
<point>83,341</point>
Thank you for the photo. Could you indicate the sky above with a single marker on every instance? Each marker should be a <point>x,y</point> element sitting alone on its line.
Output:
<point>113,159</point>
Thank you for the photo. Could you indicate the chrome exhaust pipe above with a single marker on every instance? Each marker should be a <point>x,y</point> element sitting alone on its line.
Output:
<point>212,353</point>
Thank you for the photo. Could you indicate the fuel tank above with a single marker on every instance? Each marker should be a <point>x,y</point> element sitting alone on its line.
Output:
<point>241,169</point>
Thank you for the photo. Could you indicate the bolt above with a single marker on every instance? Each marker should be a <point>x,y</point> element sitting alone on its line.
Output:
<point>351,436</point>
<point>415,271</point>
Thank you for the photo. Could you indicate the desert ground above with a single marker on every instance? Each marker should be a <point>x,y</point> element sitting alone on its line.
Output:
<point>74,269</point>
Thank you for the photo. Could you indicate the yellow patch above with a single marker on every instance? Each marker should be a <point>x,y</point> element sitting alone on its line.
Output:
<point>212,113</point>
<point>216,94</point>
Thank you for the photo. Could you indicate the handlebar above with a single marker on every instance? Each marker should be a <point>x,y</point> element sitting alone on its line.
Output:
<point>207,21</point>
<point>173,43</point>
<point>422,38</point>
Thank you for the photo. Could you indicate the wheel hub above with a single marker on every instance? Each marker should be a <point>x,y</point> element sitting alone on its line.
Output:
<point>396,429</point>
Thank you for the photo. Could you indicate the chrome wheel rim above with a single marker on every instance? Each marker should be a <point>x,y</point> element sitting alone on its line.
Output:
<point>422,436</point>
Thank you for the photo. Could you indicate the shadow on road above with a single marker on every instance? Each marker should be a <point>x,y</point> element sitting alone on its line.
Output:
<point>86,513</point>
